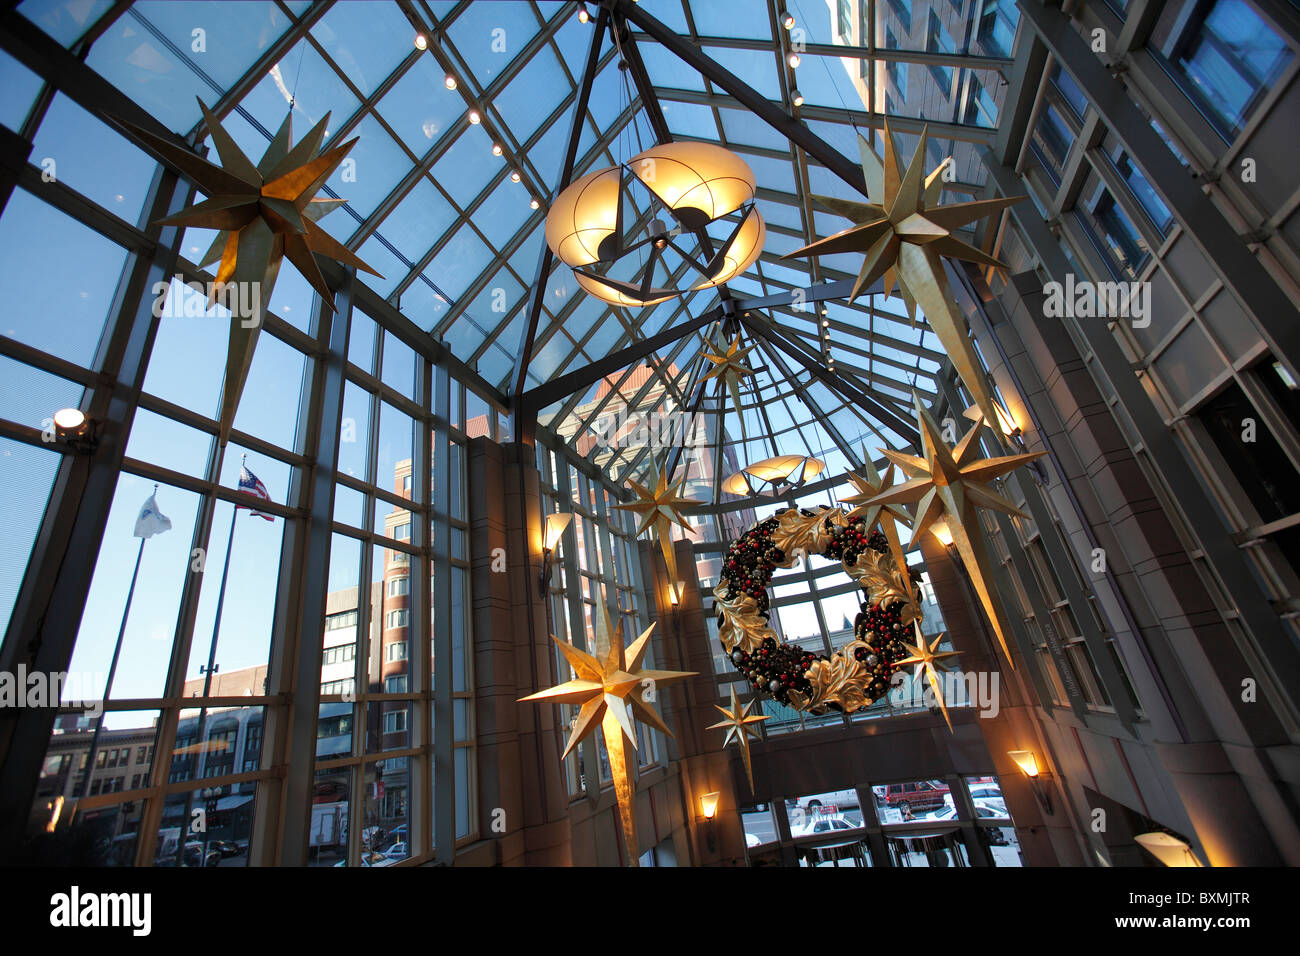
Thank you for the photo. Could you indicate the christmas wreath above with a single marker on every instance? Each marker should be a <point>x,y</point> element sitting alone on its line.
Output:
<point>859,672</point>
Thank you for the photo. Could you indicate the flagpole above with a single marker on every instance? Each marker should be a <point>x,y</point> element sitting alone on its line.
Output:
<point>112,667</point>
<point>201,752</point>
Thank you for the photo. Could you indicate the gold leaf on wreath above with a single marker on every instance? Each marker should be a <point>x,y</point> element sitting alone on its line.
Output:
<point>884,584</point>
<point>841,680</point>
<point>742,626</point>
<point>796,531</point>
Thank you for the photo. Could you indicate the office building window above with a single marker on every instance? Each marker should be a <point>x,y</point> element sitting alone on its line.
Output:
<point>1225,60</point>
<point>396,651</point>
<point>399,586</point>
<point>399,618</point>
<point>937,40</point>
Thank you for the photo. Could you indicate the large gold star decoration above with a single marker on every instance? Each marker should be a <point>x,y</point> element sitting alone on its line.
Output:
<point>611,693</point>
<point>659,510</point>
<point>928,663</point>
<point>868,484</point>
<point>738,729</point>
<point>950,483</point>
<point>729,367</point>
<point>904,236</point>
<point>264,214</point>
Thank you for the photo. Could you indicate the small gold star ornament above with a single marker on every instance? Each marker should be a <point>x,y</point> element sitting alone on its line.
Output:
<point>611,693</point>
<point>949,484</point>
<point>659,509</point>
<point>929,663</point>
<point>738,729</point>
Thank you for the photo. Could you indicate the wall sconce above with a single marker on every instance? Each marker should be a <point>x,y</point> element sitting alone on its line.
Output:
<point>1028,765</point>
<point>942,533</point>
<point>555,528</point>
<point>1167,848</point>
<point>675,591</point>
<point>709,807</point>
<point>73,429</point>
<point>1008,424</point>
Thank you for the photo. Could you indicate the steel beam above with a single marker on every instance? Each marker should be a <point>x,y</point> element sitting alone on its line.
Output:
<point>544,259</point>
<point>881,412</point>
<point>557,388</point>
<point>750,98</point>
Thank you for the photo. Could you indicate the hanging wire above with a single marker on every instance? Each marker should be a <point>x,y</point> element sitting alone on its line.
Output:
<point>293,93</point>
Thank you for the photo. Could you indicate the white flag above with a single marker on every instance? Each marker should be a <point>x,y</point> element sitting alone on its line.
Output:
<point>151,521</point>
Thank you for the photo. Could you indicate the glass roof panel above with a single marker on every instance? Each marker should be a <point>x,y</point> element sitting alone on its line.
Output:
<point>736,18</point>
<point>419,108</point>
<point>236,41</point>
<point>667,70</point>
<point>755,67</point>
<point>489,36</point>
<point>379,164</point>
<point>64,20</point>
<point>467,166</point>
<point>418,220</point>
<point>155,77</point>
<point>533,94</point>
<point>359,37</point>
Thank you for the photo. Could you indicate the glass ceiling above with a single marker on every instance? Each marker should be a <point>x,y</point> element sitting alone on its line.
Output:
<point>432,206</point>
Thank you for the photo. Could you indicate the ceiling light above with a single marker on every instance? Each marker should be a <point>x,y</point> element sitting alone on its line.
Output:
<point>420,42</point>
<point>534,204</point>
<point>474,117</point>
<point>793,60</point>
<point>514,176</point>
<point>496,149</point>
<point>826,323</point>
<point>583,15</point>
<point>449,82</point>
<point>796,98</point>
<point>70,423</point>
<point>787,21</point>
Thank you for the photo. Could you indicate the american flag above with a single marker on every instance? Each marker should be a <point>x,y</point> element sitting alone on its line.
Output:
<point>250,483</point>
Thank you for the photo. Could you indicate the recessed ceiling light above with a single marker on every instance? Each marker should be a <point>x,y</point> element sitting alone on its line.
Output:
<point>534,204</point>
<point>474,117</point>
<point>496,149</point>
<point>514,176</point>
<point>420,42</point>
<point>449,82</point>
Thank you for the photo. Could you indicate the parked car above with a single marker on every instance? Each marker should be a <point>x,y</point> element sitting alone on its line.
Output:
<point>982,812</point>
<point>986,791</point>
<point>226,848</point>
<point>995,804</point>
<point>917,797</point>
<point>838,799</point>
<point>821,825</point>
<point>396,852</point>
<point>194,855</point>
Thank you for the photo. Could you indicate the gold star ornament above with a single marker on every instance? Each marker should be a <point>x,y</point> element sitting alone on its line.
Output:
<point>729,367</point>
<point>929,663</point>
<point>949,484</point>
<point>868,484</point>
<point>738,729</point>
<point>263,213</point>
<point>612,692</point>
<point>658,511</point>
<point>904,236</point>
